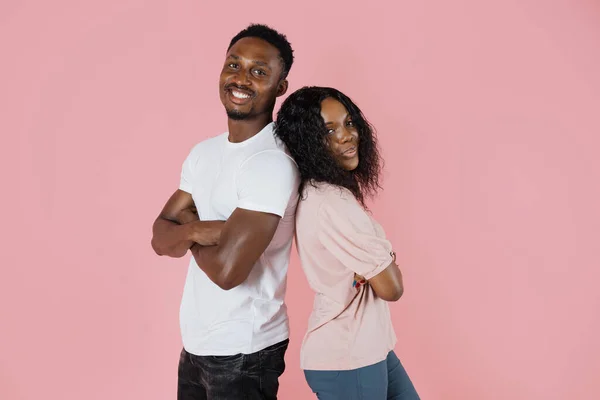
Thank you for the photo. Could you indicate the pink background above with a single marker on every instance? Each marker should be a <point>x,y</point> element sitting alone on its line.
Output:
<point>488,116</point>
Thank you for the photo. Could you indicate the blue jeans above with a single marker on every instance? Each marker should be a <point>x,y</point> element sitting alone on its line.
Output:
<point>386,380</point>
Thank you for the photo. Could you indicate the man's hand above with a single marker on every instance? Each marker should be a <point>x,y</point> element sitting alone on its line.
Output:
<point>187,215</point>
<point>177,227</point>
<point>206,233</point>
<point>169,237</point>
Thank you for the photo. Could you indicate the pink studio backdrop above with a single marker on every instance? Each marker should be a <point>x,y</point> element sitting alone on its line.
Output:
<point>487,113</point>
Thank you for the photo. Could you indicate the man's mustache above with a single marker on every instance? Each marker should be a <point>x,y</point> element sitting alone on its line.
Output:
<point>242,89</point>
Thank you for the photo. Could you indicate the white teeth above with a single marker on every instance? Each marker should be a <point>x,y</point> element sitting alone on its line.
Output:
<point>240,95</point>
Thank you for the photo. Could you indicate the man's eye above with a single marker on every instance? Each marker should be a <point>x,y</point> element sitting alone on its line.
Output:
<point>232,65</point>
<point>259,72</point>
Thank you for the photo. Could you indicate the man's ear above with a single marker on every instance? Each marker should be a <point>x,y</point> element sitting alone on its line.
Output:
<point>282,88</point>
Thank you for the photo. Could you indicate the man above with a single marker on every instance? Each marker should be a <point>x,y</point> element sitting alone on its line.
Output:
<point>244,187</point>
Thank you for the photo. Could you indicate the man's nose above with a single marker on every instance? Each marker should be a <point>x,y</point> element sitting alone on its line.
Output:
<point>242,77</point>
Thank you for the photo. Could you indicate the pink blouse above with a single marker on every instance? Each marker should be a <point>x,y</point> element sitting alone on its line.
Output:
<point>336,238</point>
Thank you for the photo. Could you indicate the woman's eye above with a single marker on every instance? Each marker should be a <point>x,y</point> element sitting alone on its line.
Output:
<point>350,123</point>
<point>330,131</point>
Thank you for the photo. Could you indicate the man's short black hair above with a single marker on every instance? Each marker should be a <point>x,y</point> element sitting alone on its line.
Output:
<point>271,36</point>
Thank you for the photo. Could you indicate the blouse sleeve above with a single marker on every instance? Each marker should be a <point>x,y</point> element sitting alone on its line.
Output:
<point>347,232</point>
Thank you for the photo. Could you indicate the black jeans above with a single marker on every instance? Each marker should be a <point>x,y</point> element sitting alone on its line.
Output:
<point>239,377</point>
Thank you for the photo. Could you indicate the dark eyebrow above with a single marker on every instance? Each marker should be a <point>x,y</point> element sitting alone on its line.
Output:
<point>259,63</point>
<point>262,64</point>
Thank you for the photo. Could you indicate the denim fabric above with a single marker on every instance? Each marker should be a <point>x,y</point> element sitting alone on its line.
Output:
<point>242,376</point>
<point>386,380</point>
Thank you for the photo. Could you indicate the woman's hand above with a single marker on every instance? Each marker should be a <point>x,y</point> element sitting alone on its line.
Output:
<point>359,280</point>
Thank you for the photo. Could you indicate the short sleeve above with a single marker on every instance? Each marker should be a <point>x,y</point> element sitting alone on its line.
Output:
<point>267,181</point>
<point>187,171</point>
<point>347,232</point>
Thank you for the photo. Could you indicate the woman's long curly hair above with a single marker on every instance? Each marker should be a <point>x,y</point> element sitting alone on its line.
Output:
<point>300,126</point>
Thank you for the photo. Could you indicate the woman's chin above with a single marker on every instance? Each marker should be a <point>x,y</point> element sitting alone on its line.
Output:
<point>351,165</point>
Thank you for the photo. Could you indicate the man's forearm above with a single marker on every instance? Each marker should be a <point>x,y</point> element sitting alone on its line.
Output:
<point>222,264</point>
<point>207,258</point>
<point>205,233</point>
<point>218,267</point>
<point>174,238</point>
<point>187,215</point>
<point>170,238</point>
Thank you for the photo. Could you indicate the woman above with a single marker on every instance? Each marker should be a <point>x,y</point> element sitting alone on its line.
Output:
<point>347,352</point>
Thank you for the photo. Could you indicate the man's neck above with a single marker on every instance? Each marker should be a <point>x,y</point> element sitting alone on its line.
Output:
<point>240,130</point>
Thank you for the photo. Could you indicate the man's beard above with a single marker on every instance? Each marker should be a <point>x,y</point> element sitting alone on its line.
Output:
<point>237,115</point>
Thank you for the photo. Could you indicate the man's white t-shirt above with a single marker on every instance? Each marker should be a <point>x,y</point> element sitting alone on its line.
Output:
<point>256,174</point>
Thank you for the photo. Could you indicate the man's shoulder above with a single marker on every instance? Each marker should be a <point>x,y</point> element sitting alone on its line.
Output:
<point>272,164</point>
<point>206,148</point>
<point>271,147</point>
<point>210,143</point>
<point>270,159</point>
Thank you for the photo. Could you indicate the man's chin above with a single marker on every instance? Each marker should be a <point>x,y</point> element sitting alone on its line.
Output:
<point>237,115</point>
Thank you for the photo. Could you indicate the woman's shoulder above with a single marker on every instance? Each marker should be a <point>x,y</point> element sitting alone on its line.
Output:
<point>328,197</point>
<point>327,192</point>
